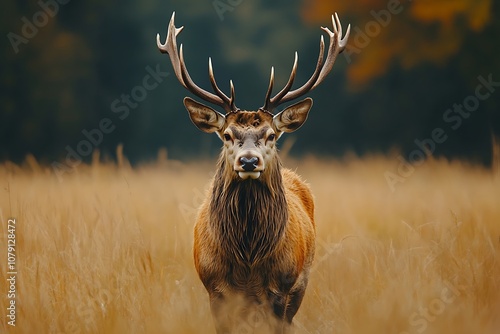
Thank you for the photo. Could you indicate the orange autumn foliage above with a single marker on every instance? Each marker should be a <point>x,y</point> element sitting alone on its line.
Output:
<point>411,32</point>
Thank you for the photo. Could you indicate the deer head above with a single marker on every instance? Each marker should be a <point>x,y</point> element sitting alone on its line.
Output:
<point>250,137</point>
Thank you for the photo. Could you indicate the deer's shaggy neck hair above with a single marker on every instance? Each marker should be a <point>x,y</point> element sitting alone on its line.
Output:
<point>250,215</point>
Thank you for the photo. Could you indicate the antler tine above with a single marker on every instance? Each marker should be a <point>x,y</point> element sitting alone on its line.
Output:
<point>282,98</point>
<point>182,74</point>
<point>289,84</point>
<point>269,90</point>
<point>231,101</point>
<point>218,91</point>
<point>170,47</point>
<point>336,46</point>
<point>201,93</point>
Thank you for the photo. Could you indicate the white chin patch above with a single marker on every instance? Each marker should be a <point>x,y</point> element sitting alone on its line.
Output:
<point>247,175</point>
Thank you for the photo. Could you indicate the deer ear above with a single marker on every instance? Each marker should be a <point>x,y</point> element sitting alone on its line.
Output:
<point>293,117</point>
<point>205,118</point>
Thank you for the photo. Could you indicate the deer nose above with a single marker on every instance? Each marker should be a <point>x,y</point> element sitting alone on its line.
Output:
<point>249,164</point>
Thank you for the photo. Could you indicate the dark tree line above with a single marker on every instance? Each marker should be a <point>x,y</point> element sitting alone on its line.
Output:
<point>84,75</point>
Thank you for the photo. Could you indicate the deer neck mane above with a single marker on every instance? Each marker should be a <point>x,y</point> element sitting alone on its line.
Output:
<point>250,215</point>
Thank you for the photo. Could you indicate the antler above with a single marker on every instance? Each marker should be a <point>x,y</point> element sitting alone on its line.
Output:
<point>182,74</point>
<point>321,71</point>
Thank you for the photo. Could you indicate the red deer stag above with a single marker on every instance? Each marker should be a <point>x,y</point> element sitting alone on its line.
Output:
<point>254,235</point>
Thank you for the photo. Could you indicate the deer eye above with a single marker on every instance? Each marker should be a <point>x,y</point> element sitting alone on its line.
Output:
<point>227,137</point>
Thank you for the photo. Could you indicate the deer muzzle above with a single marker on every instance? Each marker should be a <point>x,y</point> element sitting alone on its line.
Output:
<point>249,165</point>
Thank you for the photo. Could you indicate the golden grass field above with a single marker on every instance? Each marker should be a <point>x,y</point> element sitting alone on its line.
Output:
<point>108,249</point>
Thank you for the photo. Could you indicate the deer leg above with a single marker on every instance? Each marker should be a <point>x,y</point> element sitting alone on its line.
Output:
<point>294,301</point>
<point>278,304</point>
<point>284,307</point>
<point>219,315</point>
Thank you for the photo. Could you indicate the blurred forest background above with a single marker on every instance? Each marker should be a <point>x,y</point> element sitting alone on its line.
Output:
<point>70,64</point>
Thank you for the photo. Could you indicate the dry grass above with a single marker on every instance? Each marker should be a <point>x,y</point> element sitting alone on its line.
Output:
<point>108,250</point>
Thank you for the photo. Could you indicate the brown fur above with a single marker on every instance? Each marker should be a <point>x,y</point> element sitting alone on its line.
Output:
<point>255,238</point>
